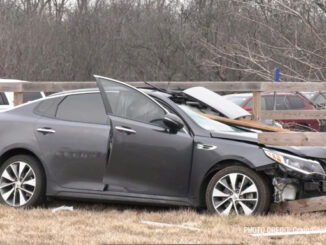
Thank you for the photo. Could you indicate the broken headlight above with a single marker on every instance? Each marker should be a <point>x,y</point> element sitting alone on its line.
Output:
<point>297,164</point>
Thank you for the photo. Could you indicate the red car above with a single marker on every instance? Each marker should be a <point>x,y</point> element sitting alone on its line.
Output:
<point>284,101</point>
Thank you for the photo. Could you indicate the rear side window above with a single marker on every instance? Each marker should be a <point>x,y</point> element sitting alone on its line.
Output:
<point>30,96</point>
<point>3,99</point>
<point>48,108</point>
<point>87,108</point>
<point>295,102</point>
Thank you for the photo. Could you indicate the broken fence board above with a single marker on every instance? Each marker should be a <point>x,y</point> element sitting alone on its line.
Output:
<point>313,204</point>
<point>292,139</point>
<point>293,114</point>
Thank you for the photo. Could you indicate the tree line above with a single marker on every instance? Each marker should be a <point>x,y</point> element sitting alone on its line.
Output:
<point>163,40</point>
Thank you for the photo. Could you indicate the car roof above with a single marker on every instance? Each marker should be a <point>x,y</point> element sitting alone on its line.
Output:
<point>96,90</point>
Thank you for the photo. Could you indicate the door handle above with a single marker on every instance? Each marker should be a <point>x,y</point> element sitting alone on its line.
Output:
<point>127,130</point>
<point>46,130</point>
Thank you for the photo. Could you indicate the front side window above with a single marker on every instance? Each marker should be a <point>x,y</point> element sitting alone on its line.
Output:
<point>281,102</point>
<point>87,108</point>
<point>129,103</point>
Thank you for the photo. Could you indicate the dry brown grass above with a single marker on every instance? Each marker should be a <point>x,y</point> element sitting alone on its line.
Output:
<point>107,223</point>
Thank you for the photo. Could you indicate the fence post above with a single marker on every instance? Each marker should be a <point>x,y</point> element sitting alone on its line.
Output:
<point>18,98</point>
<point>256,110</point>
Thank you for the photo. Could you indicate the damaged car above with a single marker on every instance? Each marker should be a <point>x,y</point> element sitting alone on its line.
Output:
<point>126,144</point>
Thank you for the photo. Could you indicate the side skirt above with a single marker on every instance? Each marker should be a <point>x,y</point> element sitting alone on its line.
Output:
<point>123,197</point>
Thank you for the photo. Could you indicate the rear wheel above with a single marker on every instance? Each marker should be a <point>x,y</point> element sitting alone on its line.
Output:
<point>22,182</point>
<point>237,190</point>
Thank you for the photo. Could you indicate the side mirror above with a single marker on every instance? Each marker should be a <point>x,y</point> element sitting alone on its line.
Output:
<point>248,108</point>
<point>173,122</point>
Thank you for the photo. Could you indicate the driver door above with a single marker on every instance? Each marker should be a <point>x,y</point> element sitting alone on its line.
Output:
<point>144,158</point>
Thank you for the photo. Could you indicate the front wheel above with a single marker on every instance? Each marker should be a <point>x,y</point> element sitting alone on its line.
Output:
<point>22,182</point>
<point>237,190</point>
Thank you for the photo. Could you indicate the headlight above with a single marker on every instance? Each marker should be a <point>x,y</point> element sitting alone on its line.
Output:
<point>299,164</point>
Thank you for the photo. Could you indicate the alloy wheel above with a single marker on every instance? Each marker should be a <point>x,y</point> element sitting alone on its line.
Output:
<point>17,183</point>
<point>235,193</point>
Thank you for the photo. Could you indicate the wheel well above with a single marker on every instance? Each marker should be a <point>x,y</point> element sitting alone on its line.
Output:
<point>20,151</point>
<point>217,167</point>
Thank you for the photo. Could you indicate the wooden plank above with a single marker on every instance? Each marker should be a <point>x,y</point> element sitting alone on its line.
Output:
<point>55,86</point>
<point>295,139</point>
<point>246,123</point>
<point>256,110</point>
<point>47,86</point>
<point>18,98</point>
<point>294,114</point>
<point>313,204</point>
<point>10,87</point>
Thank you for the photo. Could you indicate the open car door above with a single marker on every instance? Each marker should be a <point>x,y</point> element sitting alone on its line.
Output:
<point>144,157</point>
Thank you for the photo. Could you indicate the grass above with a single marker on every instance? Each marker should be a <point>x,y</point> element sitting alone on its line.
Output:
<point>107,223</point>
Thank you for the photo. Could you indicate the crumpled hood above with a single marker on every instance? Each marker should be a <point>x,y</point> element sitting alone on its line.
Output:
<point>216,101</point>
<point>304,151</point>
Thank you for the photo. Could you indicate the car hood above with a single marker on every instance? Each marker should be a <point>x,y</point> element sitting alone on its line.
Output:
<point>304,151</point>
<point>216,101</point>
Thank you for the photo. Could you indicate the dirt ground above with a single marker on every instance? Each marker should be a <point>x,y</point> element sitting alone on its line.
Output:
<point>91,223</point>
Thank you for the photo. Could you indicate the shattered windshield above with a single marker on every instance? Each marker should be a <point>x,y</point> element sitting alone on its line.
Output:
<point>207,123</point>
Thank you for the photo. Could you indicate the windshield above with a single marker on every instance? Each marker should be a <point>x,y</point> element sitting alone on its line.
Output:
<point>207,123</point>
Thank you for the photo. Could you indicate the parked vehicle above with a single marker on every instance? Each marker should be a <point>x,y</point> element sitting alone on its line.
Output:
<point>7,98</point>
<point>284,101</point>
<point>125,144</point>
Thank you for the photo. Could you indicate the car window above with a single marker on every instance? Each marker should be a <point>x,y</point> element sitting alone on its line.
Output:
<point>281,102</point>
<point>87,108</point>
<point>263,103</point>
<point>48,107</point>
<point>129,103</point>
<point>30,96</point>
<point>320,99</point>
<point>296,102</point>
<point>3,99</point>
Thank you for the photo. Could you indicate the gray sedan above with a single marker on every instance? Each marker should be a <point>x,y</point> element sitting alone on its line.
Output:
<point>134,145</point>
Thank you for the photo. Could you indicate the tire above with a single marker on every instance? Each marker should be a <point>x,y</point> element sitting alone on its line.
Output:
<point>22,182</point>
<point>223,197</point>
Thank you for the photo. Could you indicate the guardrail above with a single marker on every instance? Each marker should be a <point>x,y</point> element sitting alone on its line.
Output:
<point>298,139</point>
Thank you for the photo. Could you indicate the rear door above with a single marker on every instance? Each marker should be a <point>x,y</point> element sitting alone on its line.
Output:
<point>73,134</point>
<point>144,157</point>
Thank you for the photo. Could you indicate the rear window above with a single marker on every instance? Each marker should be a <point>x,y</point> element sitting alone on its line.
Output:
<point>30,96</point>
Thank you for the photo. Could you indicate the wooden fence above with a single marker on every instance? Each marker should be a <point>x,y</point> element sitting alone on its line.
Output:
<point>294,139</point>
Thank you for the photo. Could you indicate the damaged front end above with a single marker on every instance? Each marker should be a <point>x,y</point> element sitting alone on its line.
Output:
<point>296,177</point>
